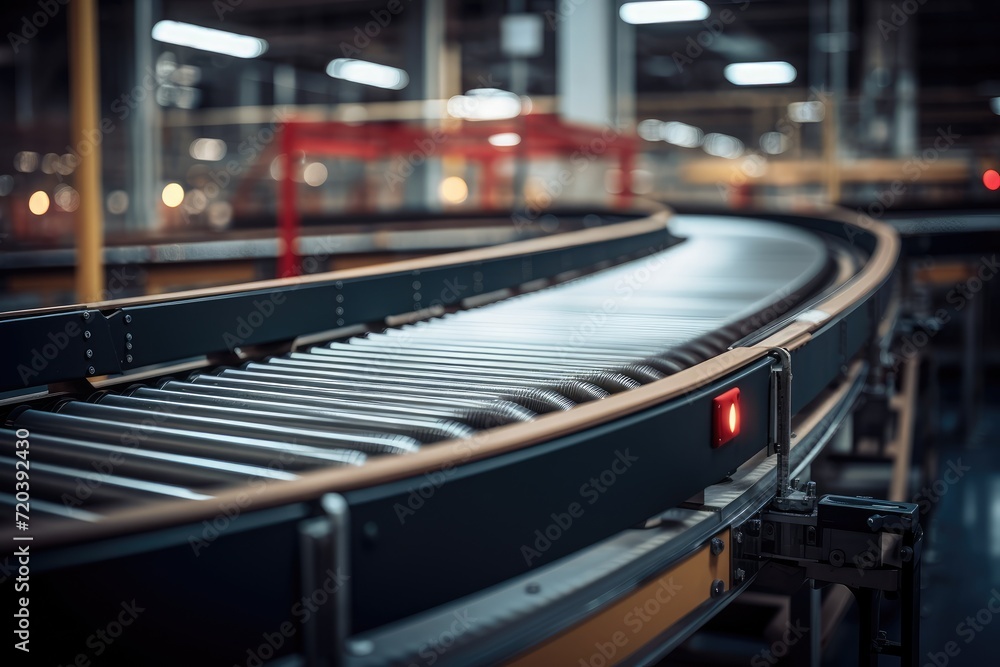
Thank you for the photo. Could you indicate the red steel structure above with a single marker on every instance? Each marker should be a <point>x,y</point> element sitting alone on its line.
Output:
<point>541,135</point>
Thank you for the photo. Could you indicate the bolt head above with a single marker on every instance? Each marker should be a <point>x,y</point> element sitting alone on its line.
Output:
<point>128,358</point>
<point>86,334</point>
<point>128,319</point>
<point>91,370</point>
<point>717,546</point>
<point>86,315</point>
<point>90,354</point>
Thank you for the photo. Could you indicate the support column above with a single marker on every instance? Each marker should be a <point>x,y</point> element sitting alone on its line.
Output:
<point>585,61</point>
<point>85,86</point>
<point>144,126</point>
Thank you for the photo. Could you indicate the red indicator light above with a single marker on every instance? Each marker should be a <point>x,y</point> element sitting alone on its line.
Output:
<point>991,179</point>
<point>725,417</point>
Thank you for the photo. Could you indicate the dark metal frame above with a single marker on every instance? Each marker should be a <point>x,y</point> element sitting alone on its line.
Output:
<point>465,537</point>
<point>83,342</point>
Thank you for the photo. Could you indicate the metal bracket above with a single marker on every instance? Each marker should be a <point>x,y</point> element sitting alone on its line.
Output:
<point>870,546</point>
<point>326,583</point>
<point>788,496</point>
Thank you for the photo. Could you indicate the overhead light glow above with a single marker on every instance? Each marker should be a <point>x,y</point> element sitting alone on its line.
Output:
<point>38,203</point>
<point>368,74</point>
<point>209,39</point>
<point>995,105</point>
<point>649,129</point>
<point>806,112</point>
<point>991,179</point>
<point>485,104</point>
<point>117,202</point>
<point>173,195</point>
<point>505,139</point>
<point>67,198</point>
<point>681,134</point>
<point>207,149</point>
<point>774,143</point>
<point>454,190</point>
<point>769,73</point>
<point>666,11</point>
<point>722,145</point>
<point>315,174</point>
<point>26,161</point>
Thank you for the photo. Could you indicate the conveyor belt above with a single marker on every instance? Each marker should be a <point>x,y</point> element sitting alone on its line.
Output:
<point>394,391</point>
<point>420,460</point>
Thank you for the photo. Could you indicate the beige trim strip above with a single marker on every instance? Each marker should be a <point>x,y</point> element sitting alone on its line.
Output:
<point>640,617</point>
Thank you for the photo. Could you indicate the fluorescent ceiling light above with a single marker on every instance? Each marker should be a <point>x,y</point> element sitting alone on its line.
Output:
<point>207,149</point>
<point>209,39</point>
<point>760,74</point>
<point>666,11</point>
<point>722,145</point>
<point>995,105</point>
<point>806,112</point>
<point>505,139</point>
<point>369,74</point>
<point>485,104</point>
<point>681,134</point>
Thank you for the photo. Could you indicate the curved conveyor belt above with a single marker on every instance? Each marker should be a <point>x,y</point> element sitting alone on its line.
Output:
<point>397,390</point>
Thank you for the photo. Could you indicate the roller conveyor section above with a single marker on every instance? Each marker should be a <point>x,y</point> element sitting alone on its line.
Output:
<point>393,391</point>
<point>534,448</point>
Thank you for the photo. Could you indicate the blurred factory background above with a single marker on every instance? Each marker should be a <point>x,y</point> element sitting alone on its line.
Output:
<point>153,146</point>
<point>411,105</point>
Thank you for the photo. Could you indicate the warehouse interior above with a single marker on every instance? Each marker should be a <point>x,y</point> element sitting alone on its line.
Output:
<point>347,333</point>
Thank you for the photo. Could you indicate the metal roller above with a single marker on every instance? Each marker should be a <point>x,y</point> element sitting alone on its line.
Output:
<point>483,415</point>
<point>139,429</point>
<point>194,472</point>
<point>576,390</point>
<point>301,424</point>
<point>50,482</point>
<point>538,400</point>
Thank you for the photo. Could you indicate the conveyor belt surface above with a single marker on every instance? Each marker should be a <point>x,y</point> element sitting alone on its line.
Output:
<point>394,391</point>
